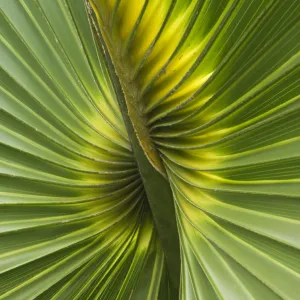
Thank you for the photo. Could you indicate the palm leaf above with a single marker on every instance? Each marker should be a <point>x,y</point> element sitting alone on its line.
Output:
<point>130,130</point>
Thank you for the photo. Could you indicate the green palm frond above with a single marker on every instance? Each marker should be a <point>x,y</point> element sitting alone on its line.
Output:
<point>149,149</point>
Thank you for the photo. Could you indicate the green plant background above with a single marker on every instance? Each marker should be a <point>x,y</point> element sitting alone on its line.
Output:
<point>149,149</point>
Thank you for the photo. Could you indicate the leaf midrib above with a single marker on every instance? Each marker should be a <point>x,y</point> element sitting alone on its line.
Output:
<point>157,188</point>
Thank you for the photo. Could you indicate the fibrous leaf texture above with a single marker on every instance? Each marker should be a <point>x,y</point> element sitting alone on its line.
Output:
<point>150,149</point>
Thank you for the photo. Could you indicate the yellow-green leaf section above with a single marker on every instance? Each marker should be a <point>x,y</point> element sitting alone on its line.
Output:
<point>212,89</point>
<point>218,85</point>
<point>75,222</point>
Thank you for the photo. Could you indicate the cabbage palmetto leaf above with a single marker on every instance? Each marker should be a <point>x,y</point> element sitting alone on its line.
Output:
<point>150,149</point>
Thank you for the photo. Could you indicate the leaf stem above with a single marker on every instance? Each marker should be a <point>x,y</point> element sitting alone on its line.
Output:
<point>157,187</point>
